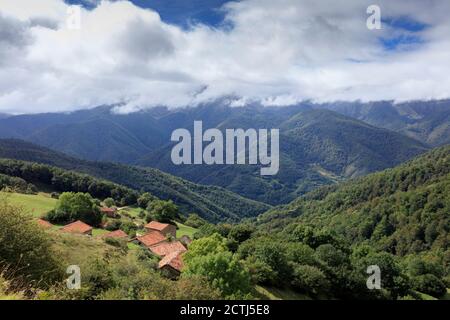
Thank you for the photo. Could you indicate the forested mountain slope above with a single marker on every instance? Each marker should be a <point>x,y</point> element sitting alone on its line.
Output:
<point>404,210</point>
<point>212,203</point>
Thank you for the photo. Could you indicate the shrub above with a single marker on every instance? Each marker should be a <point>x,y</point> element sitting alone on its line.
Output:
<point>25,248</point>
<point>429,284</point>
<point>109,202</point>
<point>194,221</point>
<point>310,280</point>
<point>118,243</point>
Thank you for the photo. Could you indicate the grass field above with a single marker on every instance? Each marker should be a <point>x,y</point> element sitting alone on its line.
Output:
<point>184,230</point>
<point>36,205</point>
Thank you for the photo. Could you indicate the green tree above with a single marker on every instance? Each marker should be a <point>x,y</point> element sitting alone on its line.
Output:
<point>144,200</point>
<point>162,211</point>
<point>109,202</point>
<point>209,257</point>
<point>429,284</point>
<point>76,206</point>
<point>241,232</point>
<point>194,220</point>
<point>310,280</point>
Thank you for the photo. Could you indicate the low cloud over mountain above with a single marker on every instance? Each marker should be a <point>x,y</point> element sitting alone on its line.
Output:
<point>273,52</point>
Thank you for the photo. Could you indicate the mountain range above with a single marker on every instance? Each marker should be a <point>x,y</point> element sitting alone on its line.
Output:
<point>319,143</point>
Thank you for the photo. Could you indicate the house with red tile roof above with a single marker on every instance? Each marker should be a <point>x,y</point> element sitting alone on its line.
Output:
<point>44,224</point>
<point>78,227</point>
<point>164,248</point>
<point>152,238</point>
<point>172,264</point>
<point>165,228</point>
<point>118,234</point>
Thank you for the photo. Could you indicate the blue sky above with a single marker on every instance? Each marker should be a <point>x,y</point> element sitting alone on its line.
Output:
<point>179,12</point>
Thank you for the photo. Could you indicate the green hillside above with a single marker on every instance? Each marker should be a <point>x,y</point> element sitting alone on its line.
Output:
<point>318,147</point>
<point>322,244</point>
<point>402,210</point>
<point>212,203</point>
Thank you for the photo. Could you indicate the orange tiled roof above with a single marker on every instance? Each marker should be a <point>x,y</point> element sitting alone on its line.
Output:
<point>156,225</point>
<point>173,259</point>
<point>151,238</point>
<point>164,248</point>
<point>44,223</point>
<point>116,234</point>
<point>111,210</point>
<point>77,227</point>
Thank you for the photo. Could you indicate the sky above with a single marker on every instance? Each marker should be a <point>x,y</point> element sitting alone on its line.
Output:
<point>176,53</point>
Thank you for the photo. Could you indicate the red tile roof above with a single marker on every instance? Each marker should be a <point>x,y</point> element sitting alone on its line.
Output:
<point>110,210</point>
<point>164,248</point>
<point>151,238</point>
<point>44,223</point>
<point>77,227</point>
<point>173,259</point>
<point>116,234</point>
<point>156,225</point>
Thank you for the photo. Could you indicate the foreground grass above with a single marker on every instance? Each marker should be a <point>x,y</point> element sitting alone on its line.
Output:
<point>270,293</point>
<point>34,204</point>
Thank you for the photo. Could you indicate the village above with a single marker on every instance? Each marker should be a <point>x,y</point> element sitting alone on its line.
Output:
<point>159,238</point>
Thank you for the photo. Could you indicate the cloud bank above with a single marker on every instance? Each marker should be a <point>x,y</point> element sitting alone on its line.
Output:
<point>273,52</point>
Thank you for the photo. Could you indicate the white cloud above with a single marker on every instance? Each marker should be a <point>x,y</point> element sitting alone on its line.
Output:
<point>276,52</point>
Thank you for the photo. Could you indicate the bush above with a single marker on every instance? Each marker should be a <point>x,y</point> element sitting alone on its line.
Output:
<point>194,221</point>
<point>113,225</point>
<point>25,248</point>
<point>310,280</point>
<point>429,284</point>
<point>144,200</point>
<point>109,202</point>
<point>118,243</point>
<point>129,228</point>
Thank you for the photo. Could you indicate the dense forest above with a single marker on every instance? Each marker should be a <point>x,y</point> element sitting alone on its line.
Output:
<point>321,246</point>
<point>18,173</point>
<point>212,203</point>
<point>317,146</point>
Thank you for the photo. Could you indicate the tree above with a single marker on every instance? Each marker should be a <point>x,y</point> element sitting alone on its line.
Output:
<point>268,254</point>
<point>144,200</point>
<point>241,232</point>
<point>162,211</point>
<point>310,280</point>
<point>209,257</point>
<point>194,221</point>
<point>429,284</point>
<point>75,206</point>
<point>109,202</point>
<point>393,278</point>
